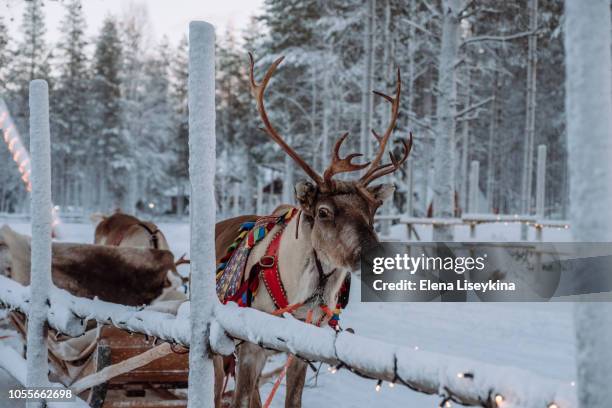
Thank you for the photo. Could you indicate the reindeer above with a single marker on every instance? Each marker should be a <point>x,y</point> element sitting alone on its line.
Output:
<point>125,230</point>
<point>122,229</point>
<point>319,246</point>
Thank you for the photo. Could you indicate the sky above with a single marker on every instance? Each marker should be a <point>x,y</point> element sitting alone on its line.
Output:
<point>166,17</point>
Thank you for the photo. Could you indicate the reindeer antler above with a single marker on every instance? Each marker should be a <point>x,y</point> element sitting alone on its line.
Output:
<point>377,170</point>
<point>339,165</point>
<point>258,89</point>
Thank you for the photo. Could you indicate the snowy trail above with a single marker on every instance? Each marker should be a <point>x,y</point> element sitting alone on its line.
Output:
<point>534,336</point>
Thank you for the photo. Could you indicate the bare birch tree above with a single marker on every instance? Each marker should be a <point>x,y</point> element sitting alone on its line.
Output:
<point>366,89</point>
<point>527,177</point>
<point>445,138</point>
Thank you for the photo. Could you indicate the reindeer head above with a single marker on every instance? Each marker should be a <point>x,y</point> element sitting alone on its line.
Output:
<point>341,213</point>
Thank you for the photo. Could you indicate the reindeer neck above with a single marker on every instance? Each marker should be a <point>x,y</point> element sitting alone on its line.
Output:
<point>299,272</point>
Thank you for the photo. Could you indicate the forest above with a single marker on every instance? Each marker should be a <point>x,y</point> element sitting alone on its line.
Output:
<point>482,80</point>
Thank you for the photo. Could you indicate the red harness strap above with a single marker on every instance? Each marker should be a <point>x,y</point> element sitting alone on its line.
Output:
<point>270,274</point>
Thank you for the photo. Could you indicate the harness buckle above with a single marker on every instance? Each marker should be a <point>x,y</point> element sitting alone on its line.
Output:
<point>267,261</point>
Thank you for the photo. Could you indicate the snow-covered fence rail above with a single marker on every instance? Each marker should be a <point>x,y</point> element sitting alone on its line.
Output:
<point>473,219</point>
<point>454,379</point>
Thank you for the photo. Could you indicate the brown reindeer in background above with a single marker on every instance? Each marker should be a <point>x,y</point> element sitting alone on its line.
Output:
<point>122,229</point>
<point>319,246</point>
<point>125,230</point>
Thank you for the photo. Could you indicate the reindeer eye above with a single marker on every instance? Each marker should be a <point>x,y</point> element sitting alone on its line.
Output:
<point>324,213</point>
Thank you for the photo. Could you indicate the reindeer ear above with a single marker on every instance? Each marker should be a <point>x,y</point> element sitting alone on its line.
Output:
<point>382,191</point>
<point>305,194</point>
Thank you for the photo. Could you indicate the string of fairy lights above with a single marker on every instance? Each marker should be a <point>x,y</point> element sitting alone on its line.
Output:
<point>19,153</point>
<point>494,400</point>
<point>17,149</point>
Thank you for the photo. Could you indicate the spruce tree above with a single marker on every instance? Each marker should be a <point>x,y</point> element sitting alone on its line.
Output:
<point>32,62</point>
<point>4,56</point>
<point>154,153</point>
<point>180,72</point>
<point>108,148</point>
<point>9,176</point>
<point>70,102</point>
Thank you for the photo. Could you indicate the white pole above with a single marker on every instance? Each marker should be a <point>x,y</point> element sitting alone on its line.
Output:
<point>474,176</point>
<point>202,214</point>
<point>409,197</point>
<point>260,202</point>
<point>473,201</point>
<point>40,273</point>
<point>236,200</point>
<point>540,181</point>
<point>589,130</point>
<point>540,189</point>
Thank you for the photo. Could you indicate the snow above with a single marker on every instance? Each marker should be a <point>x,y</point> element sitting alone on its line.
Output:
<point>202,176</point>
<point>11,361</point>
<point>40,141</point>
<point>537,337</point>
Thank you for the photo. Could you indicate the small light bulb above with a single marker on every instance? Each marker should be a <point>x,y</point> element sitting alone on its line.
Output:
<point>378,384</point>
<point>448,404</point>
<point>459,375</point>
<point>573,383</point>
<point>499,399</point>
<point>391,385</point>
<point>333,370</point>
<point>553,405</point>
<point>416,347</point>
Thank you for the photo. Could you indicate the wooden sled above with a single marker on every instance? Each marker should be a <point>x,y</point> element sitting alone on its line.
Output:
<point>114,368</point>
<point>123,370</point>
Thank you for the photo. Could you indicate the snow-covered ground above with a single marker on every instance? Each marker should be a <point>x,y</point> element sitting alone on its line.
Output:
<point>534,336</point>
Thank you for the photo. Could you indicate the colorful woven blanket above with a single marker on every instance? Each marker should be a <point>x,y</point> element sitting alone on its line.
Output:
<point>231,268</point>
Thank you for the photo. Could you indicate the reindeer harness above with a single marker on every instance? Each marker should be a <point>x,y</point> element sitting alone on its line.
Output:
<point>233,286</point>
<point>153,239</point>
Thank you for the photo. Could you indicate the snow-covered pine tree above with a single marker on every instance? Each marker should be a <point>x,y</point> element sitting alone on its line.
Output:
<point>5,56</point>
<point>589,127</point>
<point>135,40</point>
<point>32,62</point>
<point>154,153</point>
<point>71,131</point>
<point>179,169</point>
<point>292,32</point>
<point>238,120</point>
<point>108,149</point>
<point>9,176</point>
